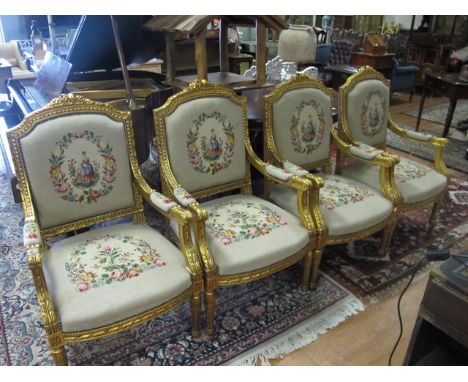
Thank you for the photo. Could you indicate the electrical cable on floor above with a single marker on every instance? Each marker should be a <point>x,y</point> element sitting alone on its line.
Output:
<point>429,256</point>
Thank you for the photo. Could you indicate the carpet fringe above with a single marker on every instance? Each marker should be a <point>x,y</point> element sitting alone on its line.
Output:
<point>307,333</point>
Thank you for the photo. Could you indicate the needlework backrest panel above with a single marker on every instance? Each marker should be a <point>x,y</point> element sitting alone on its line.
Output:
<point>367,111</point>
<point>205,143</point>
<point>77,167</point>
<point>301,121</point>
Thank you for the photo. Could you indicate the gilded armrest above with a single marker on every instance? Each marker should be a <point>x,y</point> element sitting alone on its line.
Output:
<point>439,144</point>
<point>375,157</point>
<point>33,242</point>
<point>171,210</point>
<point>314,198</point>
<point>302,185</point>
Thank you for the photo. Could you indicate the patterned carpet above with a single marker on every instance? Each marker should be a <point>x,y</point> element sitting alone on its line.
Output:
<point>437,113</point>
<point>255,321</point>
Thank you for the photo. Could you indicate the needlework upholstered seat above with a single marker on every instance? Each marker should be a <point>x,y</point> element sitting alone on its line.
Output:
<point>204,148</point>
<point>363,122</point>
<point>298,121</point>
<point>76,166</point>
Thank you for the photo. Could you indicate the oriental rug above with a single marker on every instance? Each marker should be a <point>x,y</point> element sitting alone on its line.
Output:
<point>255,322</point>
<point>437,113</point>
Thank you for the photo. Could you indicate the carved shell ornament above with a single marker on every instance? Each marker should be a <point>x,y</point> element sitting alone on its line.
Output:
<point>373,114</point>
<point>307,127</point>
<point>82,167</point>
<point>210,143</point>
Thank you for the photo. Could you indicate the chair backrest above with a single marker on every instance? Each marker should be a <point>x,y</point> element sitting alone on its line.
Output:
<point>73,160</point>
<point>341,51</point>
<point>298,119</point>
<point>200,134</point>
<point>364,106</point>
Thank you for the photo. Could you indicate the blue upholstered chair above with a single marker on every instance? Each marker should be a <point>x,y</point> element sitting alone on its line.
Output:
<point>322,54</point>
<point>403,77</point>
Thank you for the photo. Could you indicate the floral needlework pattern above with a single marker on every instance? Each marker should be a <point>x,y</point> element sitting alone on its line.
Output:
<point>405,171</point>
<point>212,152</point>
<point>307,127</point>
<point>87,177</point>
<point>108,259</point>
<point>337,193</point>
<point>373,114</point>
<point>239,220</point>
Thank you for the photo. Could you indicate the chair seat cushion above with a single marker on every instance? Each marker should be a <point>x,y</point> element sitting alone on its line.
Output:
<point>415,181</point>
<point>109,274</point>
<point>246,233</point>
<point>346,205</point>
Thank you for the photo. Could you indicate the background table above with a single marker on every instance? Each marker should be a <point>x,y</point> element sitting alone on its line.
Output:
<point>448,85</point>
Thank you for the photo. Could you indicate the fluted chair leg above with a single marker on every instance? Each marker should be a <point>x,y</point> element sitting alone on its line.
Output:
<point>315,267</point>
<point>307,270</point>
<point>209,308</point>
<point>387,237</point>
<point>196,308</point>
<point>57,349</point>
<point>435,213</point>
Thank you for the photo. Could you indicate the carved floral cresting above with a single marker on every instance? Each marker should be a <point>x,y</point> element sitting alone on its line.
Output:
<point>307,129</point>
<point>406,170</point>
<point>108,259</point>
<point>88,177</point>
<point>213,153</point>
<point>337,193</point>
<point>373,114</point>
<point>239,220</point>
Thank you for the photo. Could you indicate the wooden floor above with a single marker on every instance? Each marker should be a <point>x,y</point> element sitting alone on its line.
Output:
<point>368,337</point>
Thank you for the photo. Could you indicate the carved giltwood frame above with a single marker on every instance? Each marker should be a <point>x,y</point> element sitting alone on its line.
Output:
<point>301,81</point>
<point>73,105</point>
<point>388,183</point>
<point>201,89</point>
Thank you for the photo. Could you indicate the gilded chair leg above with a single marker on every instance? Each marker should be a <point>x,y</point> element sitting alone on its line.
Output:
<point>387,237</point>
<point>315,267</point>
<point>57,349</point>
<point>307,270</point>
<point>209,308</point>
<point>435,213</point>
<point>196,308</point>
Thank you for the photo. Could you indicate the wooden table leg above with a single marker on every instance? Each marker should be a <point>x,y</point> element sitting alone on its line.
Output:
<point>448,119</point>
<point>421,107</point>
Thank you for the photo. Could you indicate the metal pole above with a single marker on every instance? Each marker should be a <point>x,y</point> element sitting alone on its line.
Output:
<point>130,98</point>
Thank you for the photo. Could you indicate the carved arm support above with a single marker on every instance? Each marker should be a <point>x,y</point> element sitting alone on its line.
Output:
<point>375,157</point>
<point>171,210</point>
<point>439,144</point>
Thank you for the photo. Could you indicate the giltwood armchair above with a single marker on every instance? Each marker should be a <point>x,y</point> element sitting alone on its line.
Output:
<point>76,166</point>
<point>204,148</point>
<point>298,121</point>
<point>363,122</point>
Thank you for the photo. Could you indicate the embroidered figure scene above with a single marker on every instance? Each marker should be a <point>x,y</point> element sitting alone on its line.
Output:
<point>307,127</point>
<point>210,143</point>
<point>85,180</point>
<point>373,113</point>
